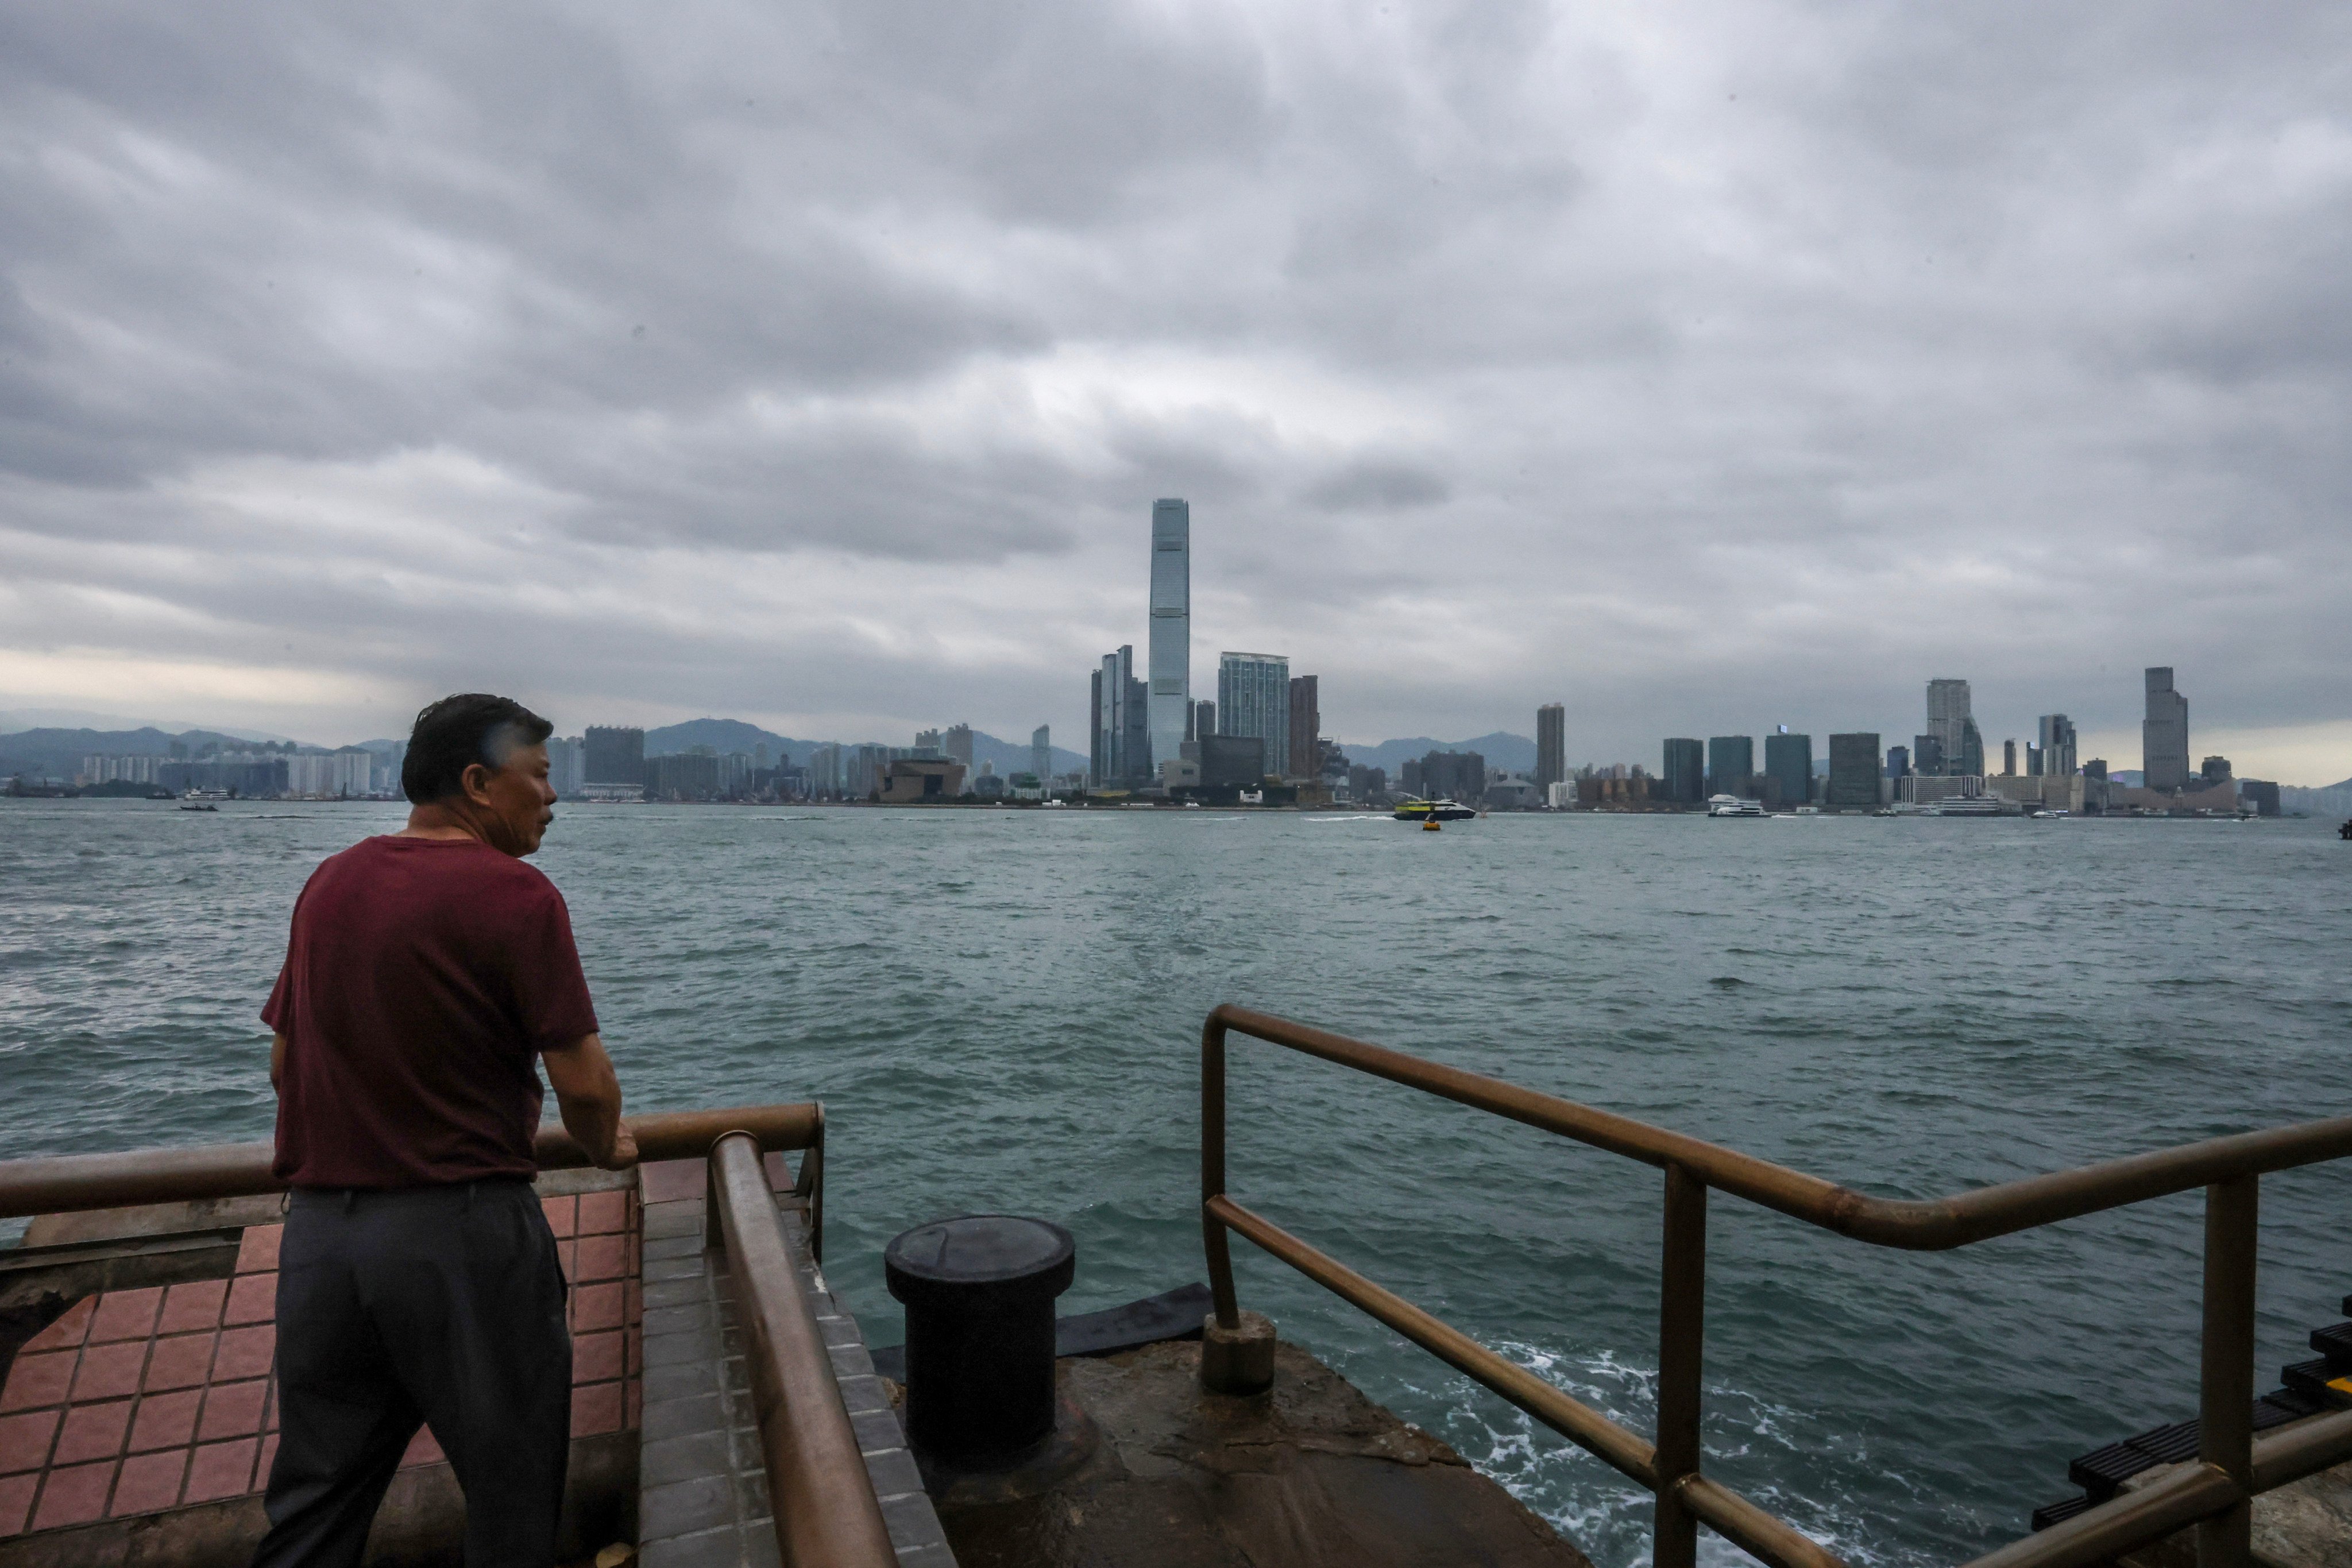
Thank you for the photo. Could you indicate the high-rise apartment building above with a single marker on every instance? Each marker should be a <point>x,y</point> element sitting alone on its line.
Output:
<point>1853,770</point>
<point>2009,759</point>
<point>1950,721</point>
<point>1731,763</point>
<point>2164,733</point>
<point>956,743</point>
<point>1305,744</point>
<point>1120,757</point>
<point>1789,767</point>
<point>1551,745</point>
<point>615,755</point>
<point>1684,770</point>
<point>1171,652</point>
<point>1254,698</point>
<point>567,764</point>
<point>1041,753</point>
<point>1898,763</point>
<point>2057,738</point>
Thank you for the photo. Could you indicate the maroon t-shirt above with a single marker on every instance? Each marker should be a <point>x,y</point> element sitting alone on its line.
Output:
<point>422,978</point>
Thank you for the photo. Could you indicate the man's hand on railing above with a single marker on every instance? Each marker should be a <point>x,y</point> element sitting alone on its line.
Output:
<point>588,1093</point>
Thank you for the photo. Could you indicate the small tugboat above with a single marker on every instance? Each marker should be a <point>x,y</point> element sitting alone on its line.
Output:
<point>2345,832</point>
<point>1432,811</point>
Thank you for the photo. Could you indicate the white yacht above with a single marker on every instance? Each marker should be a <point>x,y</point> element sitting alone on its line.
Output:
<point>1732,805</point>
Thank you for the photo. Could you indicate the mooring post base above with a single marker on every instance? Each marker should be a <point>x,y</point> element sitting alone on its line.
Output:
<point>1237,1360</point>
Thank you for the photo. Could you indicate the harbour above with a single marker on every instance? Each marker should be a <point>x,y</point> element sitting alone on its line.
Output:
<point>999,1012</point>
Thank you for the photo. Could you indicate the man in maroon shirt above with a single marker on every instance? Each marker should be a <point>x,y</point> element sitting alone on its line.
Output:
<point>428,971</point>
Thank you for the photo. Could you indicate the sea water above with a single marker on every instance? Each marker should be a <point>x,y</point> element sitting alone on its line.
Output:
<point>1001,1011</point>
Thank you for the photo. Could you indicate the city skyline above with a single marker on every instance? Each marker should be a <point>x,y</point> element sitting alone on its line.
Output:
<point>1814,355</point>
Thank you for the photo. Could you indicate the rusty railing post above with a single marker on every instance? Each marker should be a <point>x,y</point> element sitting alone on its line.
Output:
<point>1212,1172</point>
<point>810,1184</point>
<point>2226,1391</point>
<point>1681,1336</point>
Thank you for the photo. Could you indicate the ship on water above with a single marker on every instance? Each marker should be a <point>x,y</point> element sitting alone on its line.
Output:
<point>1440,810</point>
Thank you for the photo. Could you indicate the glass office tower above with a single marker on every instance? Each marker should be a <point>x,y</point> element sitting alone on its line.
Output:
<point>1253,699</point>
<point>1171,652</point>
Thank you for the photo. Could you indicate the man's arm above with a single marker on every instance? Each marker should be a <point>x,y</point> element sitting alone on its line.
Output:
<point>588,1093</point>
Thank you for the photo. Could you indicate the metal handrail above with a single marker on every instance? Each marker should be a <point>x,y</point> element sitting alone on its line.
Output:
<point>2214,1494</point>
<point>59,1184</point>
<point>821,1497</point>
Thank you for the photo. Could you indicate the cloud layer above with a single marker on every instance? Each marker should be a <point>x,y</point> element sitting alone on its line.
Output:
<point>1703,367</point>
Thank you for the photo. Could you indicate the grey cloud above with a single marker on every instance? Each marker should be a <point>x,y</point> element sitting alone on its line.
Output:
<point>1379,486</point>
<point>1772,354</point>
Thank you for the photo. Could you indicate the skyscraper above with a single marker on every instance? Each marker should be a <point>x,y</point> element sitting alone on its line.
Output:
<point>616,755</point>
<point>958,744</point>
<point>1171,626</point>
<point>1551,745</point>
<point>1305,746</point>
<point>1041,753</point>
<point>1949,722</point>
<point>2058,745</point>
<point>1120,755</point>
<point>1254,698</point>
<point>1731,763</point>
<point>1789,765</point>
<point>1204,721</point>
<point>1853,770</point>
<point>2164,734</point>
<point>1685,770</point>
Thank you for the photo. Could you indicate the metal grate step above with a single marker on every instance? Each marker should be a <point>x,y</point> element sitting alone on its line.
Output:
<point>2334,1343</point>
<point>2050,1514</point>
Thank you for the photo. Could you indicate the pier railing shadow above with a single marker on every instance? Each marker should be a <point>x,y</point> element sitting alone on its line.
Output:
<point>824,1509</point>
<point>2214,1494</point>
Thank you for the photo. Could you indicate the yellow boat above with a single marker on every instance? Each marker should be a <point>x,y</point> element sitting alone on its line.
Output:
<point>1432,811</point>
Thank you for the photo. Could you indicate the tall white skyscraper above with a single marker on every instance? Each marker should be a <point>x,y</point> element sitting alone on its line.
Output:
<point>1254,698</point>
<point>1170,653</point>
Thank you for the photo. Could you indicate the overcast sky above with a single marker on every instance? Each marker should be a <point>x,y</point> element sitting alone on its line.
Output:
<point>1704,368</point>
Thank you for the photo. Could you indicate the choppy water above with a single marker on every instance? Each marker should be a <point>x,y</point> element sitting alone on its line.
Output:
<point>1000,1011</point>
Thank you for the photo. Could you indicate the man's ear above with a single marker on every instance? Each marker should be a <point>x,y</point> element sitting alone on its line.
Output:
<point>476,781</point>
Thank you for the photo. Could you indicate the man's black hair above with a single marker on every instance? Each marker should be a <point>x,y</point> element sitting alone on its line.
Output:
<point>455,732</point>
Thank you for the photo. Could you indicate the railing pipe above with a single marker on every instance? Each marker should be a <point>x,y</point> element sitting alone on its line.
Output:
<point>820,1495</point>
<point>1213,1244</point>
<point>2167,1505</point>
<point>2225,1437</point>
<point>1933,1224</point>
<point>1751,1528</point>
<point>2304,1449</point>
<point>1682,1326</point>
<point>2213,1494</point>
<point>1571,1417</point>
<point>59,1184</point>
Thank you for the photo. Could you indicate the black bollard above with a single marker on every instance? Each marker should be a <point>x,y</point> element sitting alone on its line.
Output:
<point>980,1294</point>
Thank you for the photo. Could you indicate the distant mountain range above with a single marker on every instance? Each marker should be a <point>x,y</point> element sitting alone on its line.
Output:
<point>57,754</point>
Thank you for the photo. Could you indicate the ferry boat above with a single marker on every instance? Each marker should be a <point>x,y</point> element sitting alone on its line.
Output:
<point>1432,811</point>
<point>1968,806</point>
<point>1732,805</point>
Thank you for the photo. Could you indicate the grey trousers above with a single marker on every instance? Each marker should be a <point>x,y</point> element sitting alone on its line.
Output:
<point>442,1306</point>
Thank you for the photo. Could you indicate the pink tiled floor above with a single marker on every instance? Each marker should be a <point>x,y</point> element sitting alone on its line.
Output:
<point>138,1401</point>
